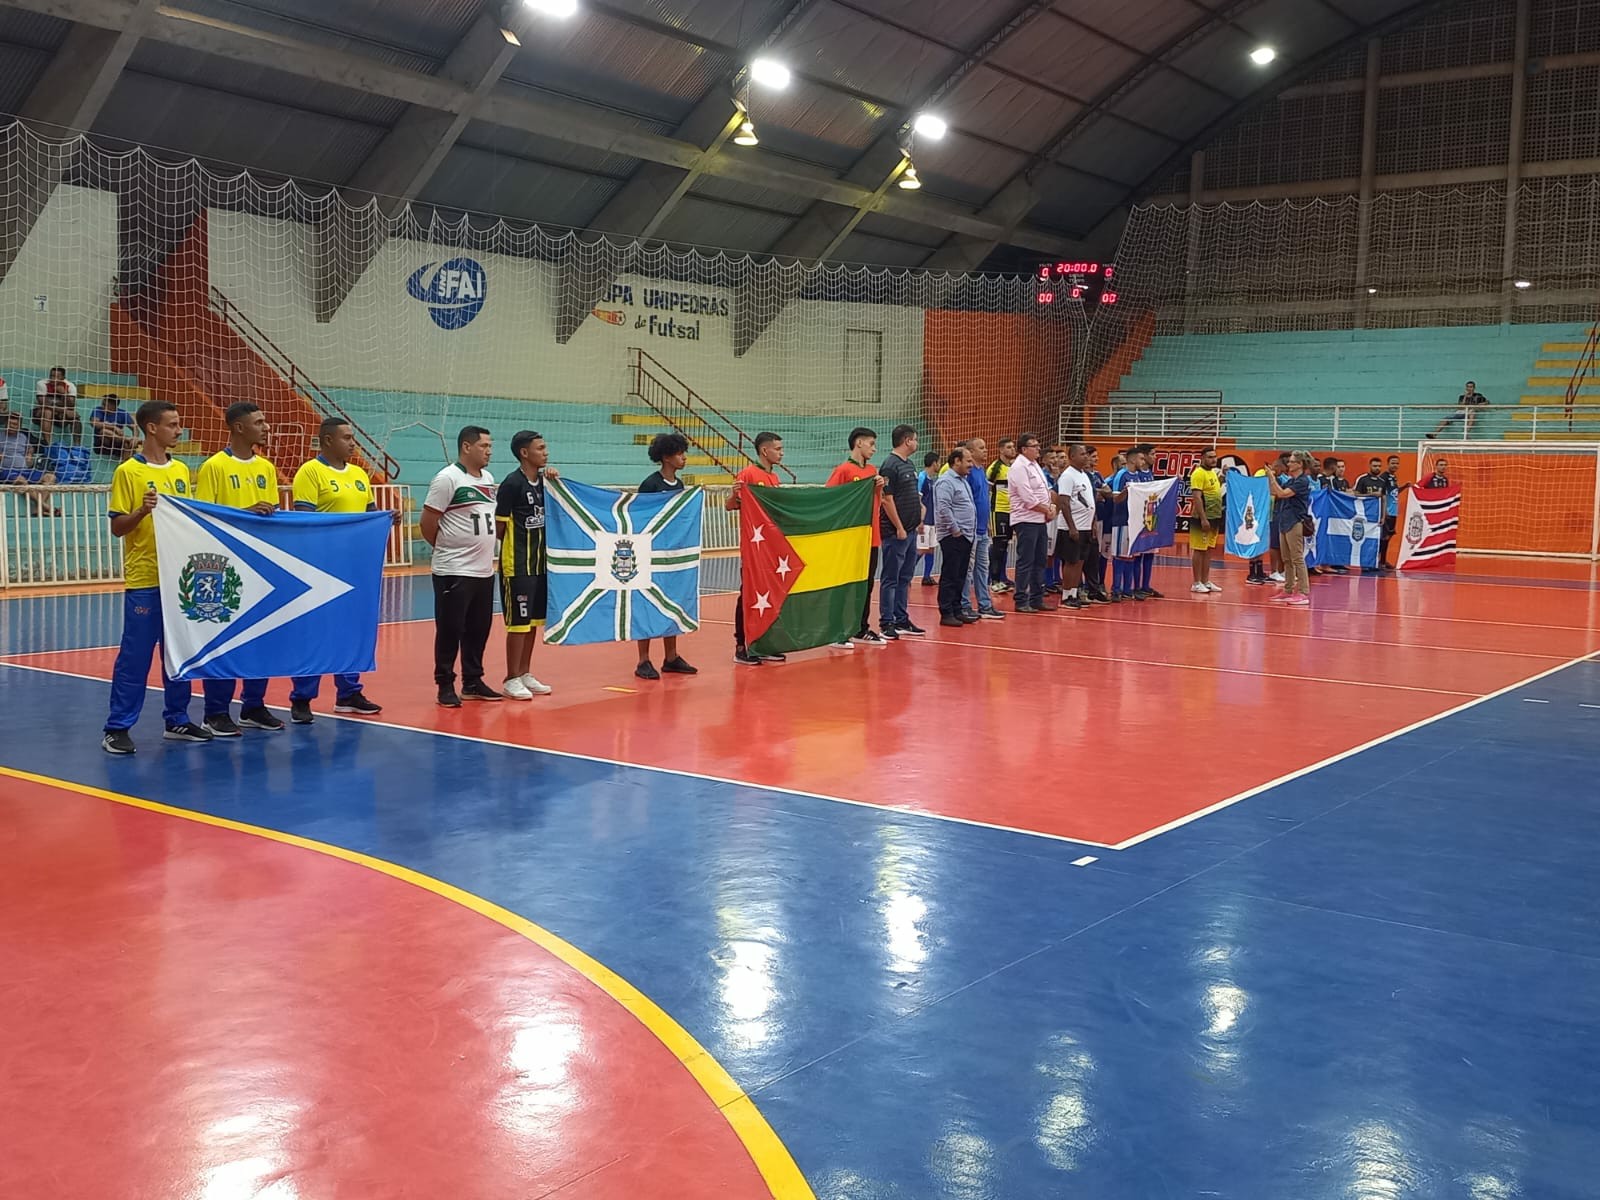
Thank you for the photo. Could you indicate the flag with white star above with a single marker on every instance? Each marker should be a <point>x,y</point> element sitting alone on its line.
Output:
<point>622,565</point>
<point>805,553</point>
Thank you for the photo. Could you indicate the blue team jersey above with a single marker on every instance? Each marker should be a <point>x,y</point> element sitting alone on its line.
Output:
<point>925,490</point>
<point>1102,508</point>
<point>1119,508</point>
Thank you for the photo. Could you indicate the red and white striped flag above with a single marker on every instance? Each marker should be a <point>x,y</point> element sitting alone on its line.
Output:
<point>1428,529</point>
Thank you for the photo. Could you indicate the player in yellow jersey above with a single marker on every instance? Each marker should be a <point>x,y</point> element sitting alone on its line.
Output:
<point>237,477</point>
<point>1206,523</point>
<point>332,483</point>
<point>136,489</point>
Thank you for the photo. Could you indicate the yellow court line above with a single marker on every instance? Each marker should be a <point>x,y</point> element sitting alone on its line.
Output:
<point>766,1149</point>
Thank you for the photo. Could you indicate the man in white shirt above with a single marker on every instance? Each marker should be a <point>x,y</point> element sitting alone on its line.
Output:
<point>458,522</point>
<point>1031,512</point>
<point>55,406</point>
<point>1077,494</point>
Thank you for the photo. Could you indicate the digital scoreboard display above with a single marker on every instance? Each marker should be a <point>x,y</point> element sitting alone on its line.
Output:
<point>1088,283</point>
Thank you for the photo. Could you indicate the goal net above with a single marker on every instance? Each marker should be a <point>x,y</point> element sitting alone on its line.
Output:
<point>161,278</point>
<point>1537,499</point>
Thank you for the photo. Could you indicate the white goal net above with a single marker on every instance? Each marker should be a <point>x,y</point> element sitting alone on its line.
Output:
<point>1529,498</point>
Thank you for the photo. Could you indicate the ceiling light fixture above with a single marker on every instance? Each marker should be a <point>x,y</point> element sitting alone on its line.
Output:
<point>747,134</point>
<point>930,126</point>
<point>909,179</point>
<point>1522,285</point>
<point>769,72</point>
<point>1262,55</point>
<point>1372,291</point>
<point>560,9</point>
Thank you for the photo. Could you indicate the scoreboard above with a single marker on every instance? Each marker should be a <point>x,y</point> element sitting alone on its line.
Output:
<point>1089,283</point>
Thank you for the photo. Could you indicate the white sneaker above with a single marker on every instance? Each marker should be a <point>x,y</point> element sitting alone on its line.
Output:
<point>515,689</point>
<point>1276,577</point>
<point>847,644</point>
<point>535,688</point>
<point>1213,587</point>
<point>1201,588</point>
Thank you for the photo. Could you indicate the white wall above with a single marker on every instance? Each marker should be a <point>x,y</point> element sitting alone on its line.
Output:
<point>70,259</point>
<point>384,340</point>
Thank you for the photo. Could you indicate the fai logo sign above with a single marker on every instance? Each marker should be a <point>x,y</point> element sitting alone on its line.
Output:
<point>454,293</point>
<point>208,589</point>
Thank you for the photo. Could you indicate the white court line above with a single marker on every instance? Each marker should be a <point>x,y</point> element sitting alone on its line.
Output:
<point>1340,757</point>
<point>617,762</point>
<point>1367,612</point>
<point>1147,662</point>
<point>1085,860</point>
<point>1525,700</point>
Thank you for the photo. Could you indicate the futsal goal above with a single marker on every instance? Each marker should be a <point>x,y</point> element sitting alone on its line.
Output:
<point>1532,499</point>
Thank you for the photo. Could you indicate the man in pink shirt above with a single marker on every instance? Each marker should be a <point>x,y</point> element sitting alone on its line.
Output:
<point>1032,507</point>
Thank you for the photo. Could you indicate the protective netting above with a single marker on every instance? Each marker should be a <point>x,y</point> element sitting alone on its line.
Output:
<point>1532,499</point>
<point>176,280</point>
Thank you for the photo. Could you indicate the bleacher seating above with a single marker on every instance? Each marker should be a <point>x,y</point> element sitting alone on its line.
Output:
<point>1373,367</point>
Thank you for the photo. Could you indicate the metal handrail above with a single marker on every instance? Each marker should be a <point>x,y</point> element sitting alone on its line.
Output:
<point>1585,367</point>
<point>688,401</point>
<point>289,371</point>
<point>1359,426</point>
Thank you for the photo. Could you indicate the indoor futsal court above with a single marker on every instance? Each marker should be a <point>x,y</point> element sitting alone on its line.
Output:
<point>856,600</point>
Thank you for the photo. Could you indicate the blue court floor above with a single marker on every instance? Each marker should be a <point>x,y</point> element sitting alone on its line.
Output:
<point>1378,980</point>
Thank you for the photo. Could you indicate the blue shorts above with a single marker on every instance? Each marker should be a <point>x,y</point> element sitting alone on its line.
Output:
<point>15,476</point>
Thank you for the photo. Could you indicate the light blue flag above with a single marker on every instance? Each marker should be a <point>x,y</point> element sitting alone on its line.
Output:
<point>249,597</point>
<point>1348,529</point>
<point>622,565</point>
<point>1249,516</point>
<point>1152,515</point>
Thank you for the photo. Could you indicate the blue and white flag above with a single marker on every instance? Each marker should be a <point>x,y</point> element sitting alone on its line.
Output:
<point>1249,516</point>
<point>251,597</point>
<point>622,566</point>
<point>1152,515</point>
<point>1348,529</point>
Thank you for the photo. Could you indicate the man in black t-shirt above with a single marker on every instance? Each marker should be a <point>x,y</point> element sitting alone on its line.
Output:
<point>1470,399</point>
<point>669,451</point>
<point>899,543</point>
<point>1376,483</point>
<point>524,581</point>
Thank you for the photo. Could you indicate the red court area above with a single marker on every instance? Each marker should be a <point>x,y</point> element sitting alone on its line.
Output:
<point>197,1011</point>
<point>987,722</point>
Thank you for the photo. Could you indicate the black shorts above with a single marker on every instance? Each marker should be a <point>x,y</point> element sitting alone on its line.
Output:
<point>523,600</point>
<point>1002,527</point>
<point>1074,547</point>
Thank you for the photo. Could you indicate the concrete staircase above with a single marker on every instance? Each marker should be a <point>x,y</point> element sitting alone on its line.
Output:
<point>1538,414</point>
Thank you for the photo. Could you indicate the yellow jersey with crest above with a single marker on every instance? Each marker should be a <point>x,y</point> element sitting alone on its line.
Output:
<point>237,483</point>
<point>320,487</point>
<point>133,479</point>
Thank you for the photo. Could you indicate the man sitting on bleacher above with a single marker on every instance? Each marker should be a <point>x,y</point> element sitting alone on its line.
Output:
<point>1469,399</point>
<point>113,428</point>
<point>18,467</point>
<point>55,407</point>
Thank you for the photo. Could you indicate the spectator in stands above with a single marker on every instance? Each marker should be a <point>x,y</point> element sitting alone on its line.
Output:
<point>955,520</point>
<point>17,468</point>
<point>1469,399</point>
<point>113,428</point>
<point>1000,510</point>
<point>1291,513</point>
<point>55,406</point>
<point>1031,512</point>
<point>5,401</point>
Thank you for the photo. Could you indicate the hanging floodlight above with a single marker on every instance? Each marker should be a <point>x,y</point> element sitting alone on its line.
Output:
<point>560,9</point>
<point>909,180</point>
<point>769,72</point>
<point>930,126</point>
<point>747,134</point>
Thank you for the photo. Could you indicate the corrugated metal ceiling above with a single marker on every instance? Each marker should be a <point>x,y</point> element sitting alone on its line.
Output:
<point>1077,67</point>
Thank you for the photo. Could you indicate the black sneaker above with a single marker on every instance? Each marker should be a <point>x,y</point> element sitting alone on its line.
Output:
<point>190,732</point>
<point>220,725</point>
<point>260,718</point>
<point>867,638</point>
<point>480,691</point>
<point>300,712</point>
<point>955,622</point>
<point>910,630</point>
<point>1026,609</point>
<point>930,583</point>
<point>991,614</point>
<point>772,658</point>
<point>1137,596</point>
<point>744,658</point>
<point>646,670</point>
<point>889,634</point>
<point>357,704</point>
<point>1074,602</point>
<point>969,618</point>
<point>1256,580</point>
<point>118,741</point>
<point>677,666</point>
<point>1152,594</point>
<point>448,698</point>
